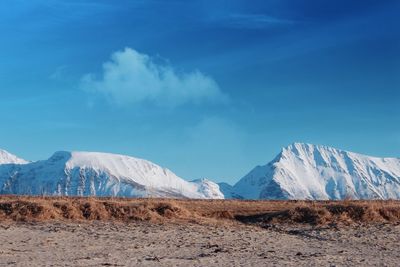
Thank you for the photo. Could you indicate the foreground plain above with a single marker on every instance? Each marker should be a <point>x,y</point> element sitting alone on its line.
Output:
<point>162,232</point>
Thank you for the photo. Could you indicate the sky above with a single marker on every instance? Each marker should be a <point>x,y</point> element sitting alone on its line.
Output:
<point>208,89</point>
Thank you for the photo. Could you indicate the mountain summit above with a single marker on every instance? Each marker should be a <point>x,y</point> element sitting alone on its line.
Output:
<point>8,158</point>
<point>100,174</point>
<point>305,171</point>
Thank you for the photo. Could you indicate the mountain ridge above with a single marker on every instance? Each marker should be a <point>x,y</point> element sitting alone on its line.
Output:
<point>8,158</point>
<point>307,171</point>
<point>299,171</point>
<point>101,174</point>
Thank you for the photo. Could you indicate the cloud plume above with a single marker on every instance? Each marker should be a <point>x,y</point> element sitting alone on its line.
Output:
<point>131,78</point>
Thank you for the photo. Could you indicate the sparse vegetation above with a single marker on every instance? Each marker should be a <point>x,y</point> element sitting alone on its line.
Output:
<point>23,208</point>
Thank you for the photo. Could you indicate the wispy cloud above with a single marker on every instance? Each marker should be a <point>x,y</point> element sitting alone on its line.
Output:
<point>132,78</point>
<point>251,21</point>
<point>46,14</point>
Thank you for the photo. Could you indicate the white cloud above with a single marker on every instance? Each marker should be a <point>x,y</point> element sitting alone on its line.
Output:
<point>133,78</point>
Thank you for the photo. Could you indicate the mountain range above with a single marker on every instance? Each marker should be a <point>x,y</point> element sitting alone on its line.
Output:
<point>97,174</point>
<point>299,171</point>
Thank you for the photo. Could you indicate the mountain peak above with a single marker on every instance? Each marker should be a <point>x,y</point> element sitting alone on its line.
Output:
<point>61,156</point>
<point>307,171</point>
<point>8,158</point>
<point>320,154</point>
<point>209,188</point>
<point>296,147</point>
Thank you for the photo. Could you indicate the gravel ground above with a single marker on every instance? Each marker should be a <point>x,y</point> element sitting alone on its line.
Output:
<point>149,244</point>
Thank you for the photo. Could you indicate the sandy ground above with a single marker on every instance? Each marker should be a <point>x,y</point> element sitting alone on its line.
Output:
<point>149,244</point>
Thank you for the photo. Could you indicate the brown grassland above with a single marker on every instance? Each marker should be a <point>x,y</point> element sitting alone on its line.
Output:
<point>94,231</point>
<point>262,213</point>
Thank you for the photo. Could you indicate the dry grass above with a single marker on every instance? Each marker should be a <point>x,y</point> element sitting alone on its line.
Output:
<point>19,208</point>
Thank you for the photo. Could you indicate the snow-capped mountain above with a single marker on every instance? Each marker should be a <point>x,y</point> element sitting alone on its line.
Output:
<point>209,188</point>
<point>300,171</point>
<point>8,158</point>
<point>100,174</point>
<point>305,171</point>
<point>228,191</point>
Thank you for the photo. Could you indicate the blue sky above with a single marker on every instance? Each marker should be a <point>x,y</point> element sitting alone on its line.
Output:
<point>205,88</point>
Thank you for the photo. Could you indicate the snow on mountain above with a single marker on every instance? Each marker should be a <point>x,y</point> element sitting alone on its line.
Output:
<point>100,174</point>
<point>209,188</point>
<point>8,158</point>
<point>300,171</point>
<point>228,191</point>
<point>305,171</point>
